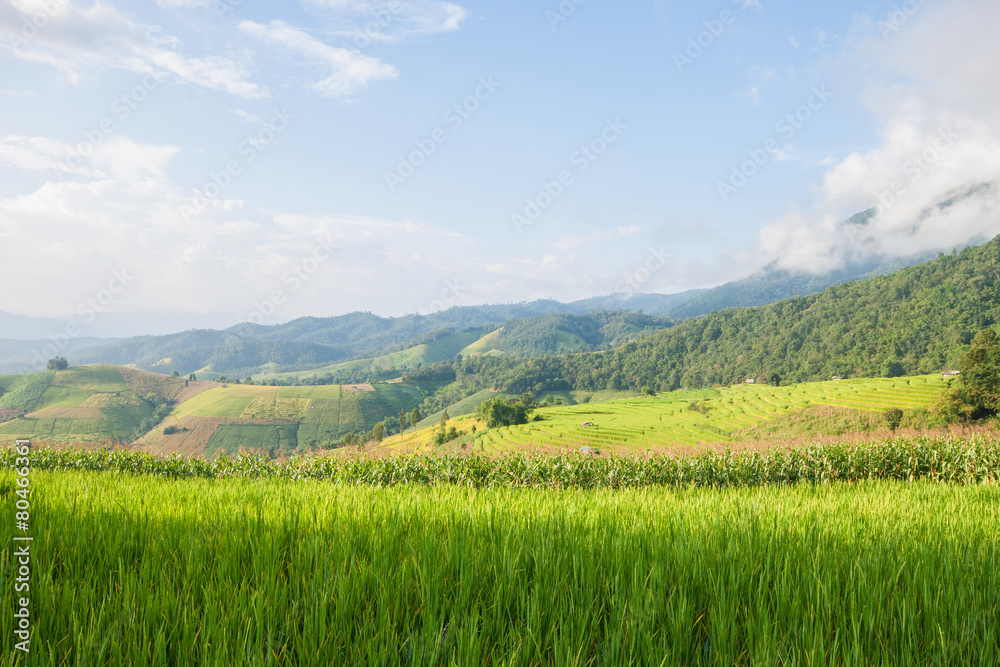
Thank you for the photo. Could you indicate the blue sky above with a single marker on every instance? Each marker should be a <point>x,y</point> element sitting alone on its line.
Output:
<point>271,160</point>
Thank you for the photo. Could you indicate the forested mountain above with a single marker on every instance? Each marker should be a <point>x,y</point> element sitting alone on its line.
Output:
<point>917,320</point>
<point>772,285</point>
<point>559,333</point>
<point>314,342</point>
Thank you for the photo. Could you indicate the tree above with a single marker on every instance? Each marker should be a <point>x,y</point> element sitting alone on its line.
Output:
<point>174,374</point>
<point>980,374</point>
<point>402,420</point>
<point>57,364</point>
<point>350,439</point>
<point>893,417</point>
<point>498,412</point>
<point>415,417</point>
<point>378,432</point>
<point>192,377</point>
<point>893,369</point>
<point>445,417</point>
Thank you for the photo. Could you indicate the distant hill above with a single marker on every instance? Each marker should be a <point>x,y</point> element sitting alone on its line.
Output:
<point>86,404</point>
<point>772,285</point>
<point>100,403</point>
<point>533,336</point>
<point>360,343</point>
<point>915,321</point>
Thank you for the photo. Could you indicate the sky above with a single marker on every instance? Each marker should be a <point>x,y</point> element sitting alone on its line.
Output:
<point>246,160</point>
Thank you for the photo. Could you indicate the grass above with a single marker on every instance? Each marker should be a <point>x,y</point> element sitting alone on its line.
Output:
<point>482,345</point>
<point>138,570</point>
<point>688,418</point>
<point>325,413</point>
<point>23,392</point>
<point>466,406</point>
<point>62,397</point>
<point>230,438</point>
<point>443,349</point>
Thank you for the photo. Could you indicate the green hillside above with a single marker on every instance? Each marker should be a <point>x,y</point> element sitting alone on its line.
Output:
<point>442,347</point>
<point>82,404</point>
<point>107,403</point>
<point>682,419</point>
<point>915,321</point>
<point>279,420</point>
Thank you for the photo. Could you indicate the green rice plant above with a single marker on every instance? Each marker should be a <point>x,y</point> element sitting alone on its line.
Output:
<point>138,570</point>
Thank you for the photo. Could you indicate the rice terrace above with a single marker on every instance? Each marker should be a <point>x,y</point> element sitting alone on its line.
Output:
<point>441,333</point>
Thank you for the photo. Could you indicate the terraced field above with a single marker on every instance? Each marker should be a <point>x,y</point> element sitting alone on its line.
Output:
<point>80,404</point>
<point>681,419</point>
<point>691,418</point>
<point>277,419</point>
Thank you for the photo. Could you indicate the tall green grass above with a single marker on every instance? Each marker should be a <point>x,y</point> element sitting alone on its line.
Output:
<point>141,570</point>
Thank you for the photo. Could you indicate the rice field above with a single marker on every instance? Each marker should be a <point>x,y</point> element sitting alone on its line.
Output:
<point>324,413</point>
<point>148,570</point>
<point>688,418</point>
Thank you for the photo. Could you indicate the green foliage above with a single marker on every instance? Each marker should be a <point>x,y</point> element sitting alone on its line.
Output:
<point>980,368</point>
<point>893,418</point>
<point>497,412</point>
<point>57,364</point>
<point>445,434</point>
<point>893,369</point>
<point>922,317</point>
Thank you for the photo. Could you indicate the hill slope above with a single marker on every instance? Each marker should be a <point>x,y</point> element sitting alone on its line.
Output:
<point>914,321</point>
<point>680,420</point>
<point>86,403</point>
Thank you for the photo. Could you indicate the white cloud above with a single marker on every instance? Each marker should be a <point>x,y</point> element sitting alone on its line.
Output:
<point>76,39</point>
<point>393,21</point>
<point>350,70</point>
<point>126,215</point>
<point>939,110</point>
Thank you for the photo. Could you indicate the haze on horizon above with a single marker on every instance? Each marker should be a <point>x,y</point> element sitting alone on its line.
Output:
<point>207,155</point>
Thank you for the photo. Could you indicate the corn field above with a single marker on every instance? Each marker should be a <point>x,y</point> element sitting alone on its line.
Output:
<point>972,460</point>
